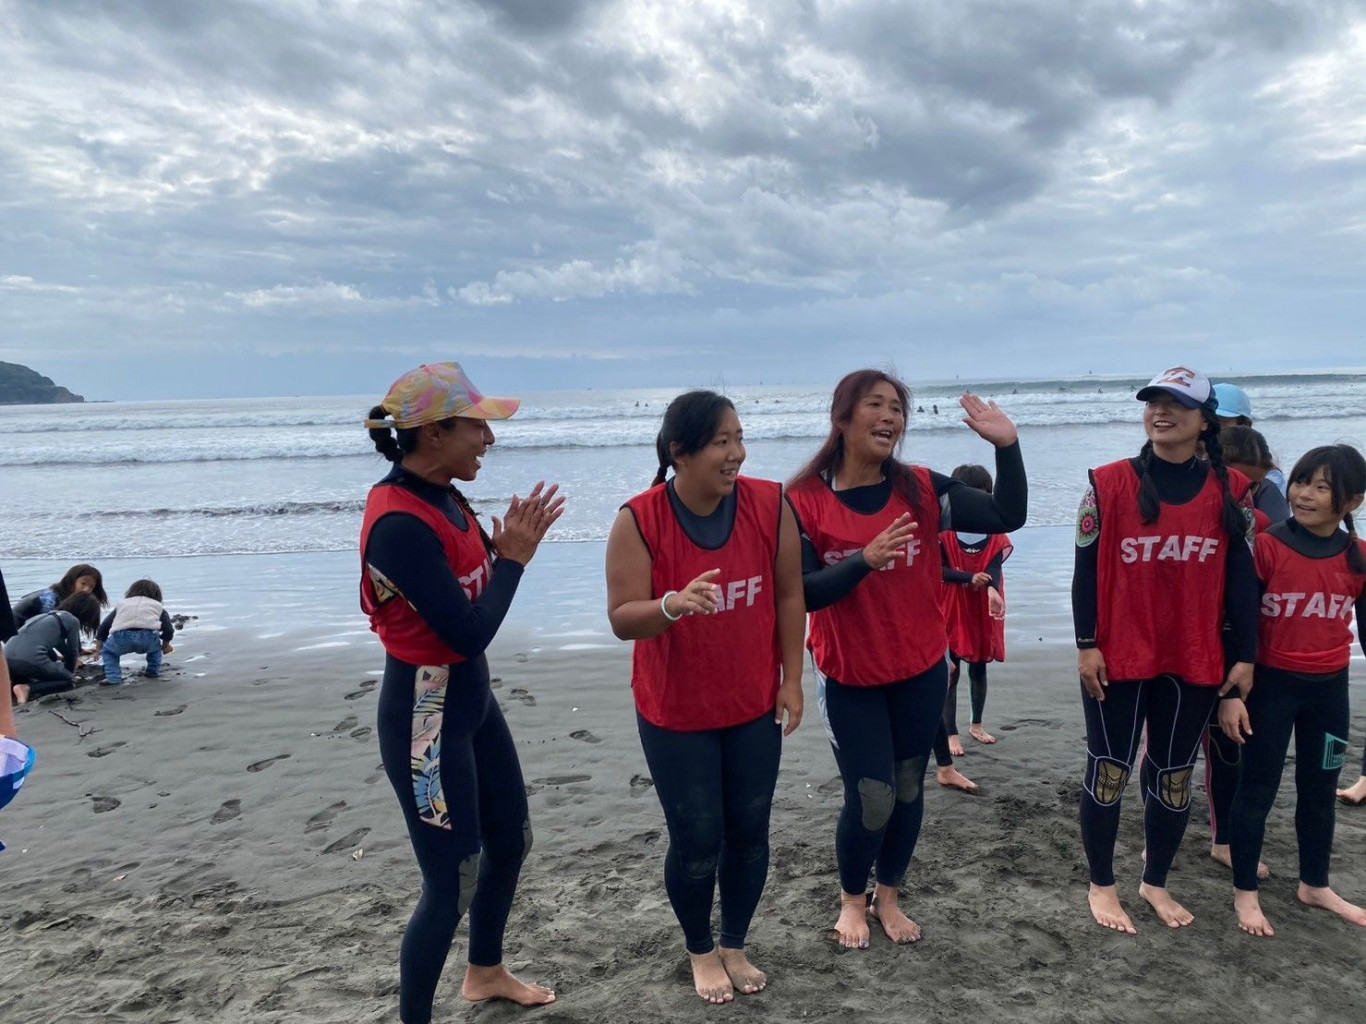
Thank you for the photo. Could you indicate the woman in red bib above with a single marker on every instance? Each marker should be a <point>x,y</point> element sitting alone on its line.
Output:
<point>1312,569</point>
<point>1162,559</point>
<point>436,589</point>
<point>704,574</point>
<point>871,577</point>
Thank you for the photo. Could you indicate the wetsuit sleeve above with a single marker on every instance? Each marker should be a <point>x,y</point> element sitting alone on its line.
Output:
<point>26,608</point>
<point>70,642</point>
<point>1242,596</point>
<point>7,626</point>
<point>167,627</point>
<point>996,568</point>
<point>823,585</point>
<point>951,575</point>
<point>102,634</point>
<point>1084,570</point>
<point>410,555</point>
<point>969,510</point>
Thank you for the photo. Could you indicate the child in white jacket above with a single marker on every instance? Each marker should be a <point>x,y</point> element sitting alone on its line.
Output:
<point>137,625</point>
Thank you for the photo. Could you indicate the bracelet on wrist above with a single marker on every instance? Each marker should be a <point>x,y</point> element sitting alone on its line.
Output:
<point>664,606</point>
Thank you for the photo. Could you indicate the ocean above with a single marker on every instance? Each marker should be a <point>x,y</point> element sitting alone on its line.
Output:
<point>176,487</point>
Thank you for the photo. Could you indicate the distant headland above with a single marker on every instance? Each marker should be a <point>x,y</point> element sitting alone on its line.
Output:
<point>21,386</point>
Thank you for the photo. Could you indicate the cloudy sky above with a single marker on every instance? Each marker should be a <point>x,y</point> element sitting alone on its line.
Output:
<point>294,196</point>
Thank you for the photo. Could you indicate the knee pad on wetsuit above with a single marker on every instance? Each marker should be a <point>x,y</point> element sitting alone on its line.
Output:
<point>1174,787</point>
<point>910,779</point>
<point>469,881</point>
<point>1108,781</point>
<point>878,799</point>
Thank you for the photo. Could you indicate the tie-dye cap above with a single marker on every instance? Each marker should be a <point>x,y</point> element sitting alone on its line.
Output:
<point>438,391</point>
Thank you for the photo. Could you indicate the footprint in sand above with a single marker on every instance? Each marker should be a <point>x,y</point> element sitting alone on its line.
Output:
<point>521,694</point>
<point>347,841</point>
<point>104,803</point>
<point>105,750</point>
<point>171,711</point>
<point>584,735</point>
<point>323,818</point>
<point>361,733</point>
<point>358,694</point>
<point>640,783</point>
<point>375,776</point>
<point>346,724</point>
<point>830,786</point>
<point>560,780</point>
<point>229,810</point>
<point>263,765</point>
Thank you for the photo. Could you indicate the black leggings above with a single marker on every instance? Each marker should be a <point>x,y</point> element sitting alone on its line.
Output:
<point>1315,707</point>
<point>1223,765</point>
<point>41,679</point>
<point>882,737</point>
<point>475,800</point>
<point>977,691</point>
<point>716,788</point>
<point>1176,714</point>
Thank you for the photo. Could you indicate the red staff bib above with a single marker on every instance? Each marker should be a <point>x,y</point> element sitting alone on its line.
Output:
<point>889,627</point>
<point>1307,608</point>
<point>973,634</point>
<point>401,630</point>
<point>1160,586</point>
<point>712,671</point>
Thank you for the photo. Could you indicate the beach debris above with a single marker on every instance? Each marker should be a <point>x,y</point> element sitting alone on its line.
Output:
<point>83,730</point>
<point>358,853</point>
<point>119,878</point>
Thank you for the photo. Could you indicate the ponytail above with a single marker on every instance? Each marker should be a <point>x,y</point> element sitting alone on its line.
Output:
<point>1356,560</point>
<point>665,460</point>
<point>1149,504</point>
<point>383,437</point>
<point>1235,519</point>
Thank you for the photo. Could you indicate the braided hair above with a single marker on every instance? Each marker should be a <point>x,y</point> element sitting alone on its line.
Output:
<point>690,422</point>
<point>1345,471</point>
<point>395,443</point>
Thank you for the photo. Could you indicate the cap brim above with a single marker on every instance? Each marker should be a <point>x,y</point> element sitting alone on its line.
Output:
<point>493,409</point>
<point>1155,389</point>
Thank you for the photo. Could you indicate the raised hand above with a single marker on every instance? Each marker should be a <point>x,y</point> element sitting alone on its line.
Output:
<point>700,597</point>
<point>888,544</point>
<point>988,421</point>
<point>519,533</point>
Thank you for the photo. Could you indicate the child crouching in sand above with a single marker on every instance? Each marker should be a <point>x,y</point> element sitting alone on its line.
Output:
<point>137,625</point>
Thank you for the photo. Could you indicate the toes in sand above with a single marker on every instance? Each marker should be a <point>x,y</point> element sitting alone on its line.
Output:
<point>484,983</point>
<point>851,930</point>
<point>710,979</point>
<point>1173,914</point>
<point>1326,899</point>
<point>897,926</point>
<point>1108,911</point>
<point>746,978</point>
<point>1248,907</point>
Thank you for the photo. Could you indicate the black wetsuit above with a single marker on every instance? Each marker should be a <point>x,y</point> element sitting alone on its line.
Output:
<point>481,778</point>
<point>7,626</point>
<point>44,652</point>
<point>1176,713</point>
<point>882,735</point>
<point>716,789</point>
<point>1315,706</point>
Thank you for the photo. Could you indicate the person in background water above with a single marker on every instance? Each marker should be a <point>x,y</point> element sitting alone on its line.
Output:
<point>436,588</point>
<point>1313,575</point>
<point>1162,560</point>
<point>139,624</point>
<point>1245,450</point>
<point>1234,409</point>
<point>44,654</point>
<point>974,610</point>
<point>704,573</point>
<point>79,579</point>
<point>871,576</point>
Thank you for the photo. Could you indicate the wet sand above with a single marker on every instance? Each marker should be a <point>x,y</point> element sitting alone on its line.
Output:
<point>226,848</point>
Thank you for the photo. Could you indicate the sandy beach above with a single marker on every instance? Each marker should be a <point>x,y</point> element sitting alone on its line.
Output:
<point>228,849</point>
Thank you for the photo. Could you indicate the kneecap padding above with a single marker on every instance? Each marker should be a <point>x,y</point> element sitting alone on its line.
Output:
<point>910,779</point>
<point>877,798</point>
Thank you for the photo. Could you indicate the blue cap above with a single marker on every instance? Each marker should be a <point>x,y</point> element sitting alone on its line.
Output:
<point>1232,402</point>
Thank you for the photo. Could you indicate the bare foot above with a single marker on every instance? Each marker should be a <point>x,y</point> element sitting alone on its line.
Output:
<point>1354,795</point>
<point>1106,909</point>
<point>851,930</point>
<point>1327,899</point>
<point>483,983</point>
<point>899,928</point>
<point>1250,916</point>
<point>981,735</point>
<point>710,979</point>
<point>1222,853</point>
<point>746,978</point>
<point>954,779</point>
<point>21,692</point>
<point>956,746</point>
<point>1173,914</point>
